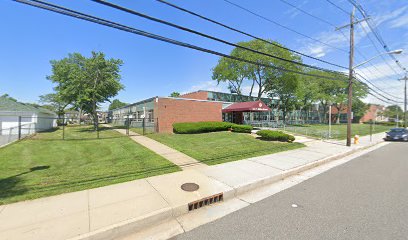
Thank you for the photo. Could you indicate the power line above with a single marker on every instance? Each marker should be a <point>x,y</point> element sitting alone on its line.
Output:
<point>97,20</point>
<point>376,33</point>
<point>332,25</point>
<point>245,33</point>
<point>377,88</point>
<point>90,18</point>
<point>206,35</point>
<point>307,13</point>
<point>282,26</point>
<point>338,7</point>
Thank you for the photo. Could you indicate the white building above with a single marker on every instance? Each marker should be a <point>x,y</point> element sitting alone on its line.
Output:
<point>22,119</point>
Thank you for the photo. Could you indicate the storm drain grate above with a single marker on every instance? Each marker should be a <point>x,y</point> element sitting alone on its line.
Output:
<point>205,201</point>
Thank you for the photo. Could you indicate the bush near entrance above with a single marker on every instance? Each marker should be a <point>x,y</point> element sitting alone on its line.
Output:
<point>205,127</point>
<point>200,127</point>
<point>275,136</point>
<point>241,128</point>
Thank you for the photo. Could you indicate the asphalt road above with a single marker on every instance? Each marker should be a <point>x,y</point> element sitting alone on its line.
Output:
<point>366,198</point>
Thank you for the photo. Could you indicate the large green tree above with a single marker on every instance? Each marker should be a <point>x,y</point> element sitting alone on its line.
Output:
<point>257,76</point>
<point>55,102</point>
<point>86,82</point>
<point>175,94</point>
<point>116,103</point>
<point>393,112</point>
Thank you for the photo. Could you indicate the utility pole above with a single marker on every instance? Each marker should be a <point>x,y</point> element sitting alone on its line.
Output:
<point>405,99</point>
<point>351,73</point>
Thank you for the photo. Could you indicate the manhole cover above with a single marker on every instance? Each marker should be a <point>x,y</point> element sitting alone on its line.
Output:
<point>190,187</point>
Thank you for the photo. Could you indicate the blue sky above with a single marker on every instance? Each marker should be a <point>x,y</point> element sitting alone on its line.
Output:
<point>31,37</point>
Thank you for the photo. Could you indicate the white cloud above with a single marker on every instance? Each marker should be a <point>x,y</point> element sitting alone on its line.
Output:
<point>400,22</point>
<point>210,85</point>
<point>340,40</point>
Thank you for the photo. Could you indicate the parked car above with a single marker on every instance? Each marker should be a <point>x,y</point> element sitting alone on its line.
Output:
<point>397,134</point>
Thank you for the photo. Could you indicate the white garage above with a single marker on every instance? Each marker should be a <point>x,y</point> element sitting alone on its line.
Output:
<point>19,119</point>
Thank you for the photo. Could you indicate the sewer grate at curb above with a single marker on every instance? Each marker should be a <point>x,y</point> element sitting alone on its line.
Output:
<point>190,187</point>
<point>205,201</point>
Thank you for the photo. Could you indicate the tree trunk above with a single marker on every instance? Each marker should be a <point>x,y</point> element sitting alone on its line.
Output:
<point>252,88</point>
<point>94,116</point>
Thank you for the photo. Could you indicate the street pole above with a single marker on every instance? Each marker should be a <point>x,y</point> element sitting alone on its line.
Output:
<point>351,73</point>
<point>405,100</point>
<point>330,109</point>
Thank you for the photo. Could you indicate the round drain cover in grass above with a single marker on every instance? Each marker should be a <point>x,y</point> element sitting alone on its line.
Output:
<point>190,187</point>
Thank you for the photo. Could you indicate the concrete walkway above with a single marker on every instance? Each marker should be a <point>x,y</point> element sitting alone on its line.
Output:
<point>174,156</point>
<point>115,211</point>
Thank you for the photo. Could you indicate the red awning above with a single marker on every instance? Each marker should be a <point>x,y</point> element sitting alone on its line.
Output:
<point>257,106</point>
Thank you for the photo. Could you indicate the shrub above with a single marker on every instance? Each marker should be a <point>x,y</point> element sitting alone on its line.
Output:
<point>381,123</point>
<point>200,127</point>
<point>275,136</point>
<point>241,128</point>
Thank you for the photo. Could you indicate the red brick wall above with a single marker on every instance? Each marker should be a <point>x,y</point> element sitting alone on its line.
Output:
<point>169,111</point>
<point>371,113</point>
<point>196,95</point>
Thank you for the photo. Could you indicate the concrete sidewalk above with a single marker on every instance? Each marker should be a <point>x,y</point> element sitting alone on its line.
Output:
<point>174,156</point>
<point>118,210</point>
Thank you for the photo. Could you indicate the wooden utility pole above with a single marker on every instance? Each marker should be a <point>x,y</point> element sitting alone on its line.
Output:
<point>405,99</point>
<point>351,75</point>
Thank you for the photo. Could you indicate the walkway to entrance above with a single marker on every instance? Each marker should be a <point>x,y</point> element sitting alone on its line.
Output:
<point>174,156</point>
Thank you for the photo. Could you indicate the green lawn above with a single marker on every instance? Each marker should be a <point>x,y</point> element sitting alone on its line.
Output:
<point>220,147</point>
<point>45,165</point>
<point>339,131</point>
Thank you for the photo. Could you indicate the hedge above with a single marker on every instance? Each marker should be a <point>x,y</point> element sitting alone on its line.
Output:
<point>204,127</point>
<point>275,136</point>
<point>200,127</point>
<point>241,128</point>
<point>381,123</point>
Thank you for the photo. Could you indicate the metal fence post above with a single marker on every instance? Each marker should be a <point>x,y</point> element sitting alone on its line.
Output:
<point>19,127</point>
<point>128,126</point>
<point>63,128</point>
<point>143,125</point>
<point>97,129</point>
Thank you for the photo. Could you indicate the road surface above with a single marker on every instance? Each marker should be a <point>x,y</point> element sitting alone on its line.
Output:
<point>366,198</point>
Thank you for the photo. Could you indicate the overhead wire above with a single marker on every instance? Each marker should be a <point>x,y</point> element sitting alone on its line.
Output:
<point>97,20</point>
<point>133,12</point>
<point>345,37</point>
<point>245,33</point>
<point>281,25</point>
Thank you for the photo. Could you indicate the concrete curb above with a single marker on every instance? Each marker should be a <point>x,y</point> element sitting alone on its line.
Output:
<point>131,226</point>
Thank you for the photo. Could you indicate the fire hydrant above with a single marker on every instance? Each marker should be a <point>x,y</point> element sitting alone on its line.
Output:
<point>356,138</point>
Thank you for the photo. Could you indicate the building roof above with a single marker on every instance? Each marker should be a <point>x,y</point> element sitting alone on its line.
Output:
<point>256,106</point>
<point>8,105</point>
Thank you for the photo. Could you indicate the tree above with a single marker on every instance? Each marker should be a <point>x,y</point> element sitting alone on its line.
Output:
<point>86,82</point>
<point>232,72</point>
<point>237,72</point>
<point>116,103</point>
<point>57,103</point>
<point>393,112</point>
<point>175,94</point>
<point>359,109</point>
<point>8,97</point>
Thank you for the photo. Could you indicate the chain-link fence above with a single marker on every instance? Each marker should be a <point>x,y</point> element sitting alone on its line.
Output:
<point>312,132</point>
<point>141,126</point>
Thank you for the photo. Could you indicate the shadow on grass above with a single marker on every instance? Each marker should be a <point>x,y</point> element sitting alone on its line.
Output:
<point>75,139</point>
<point>12,186</point>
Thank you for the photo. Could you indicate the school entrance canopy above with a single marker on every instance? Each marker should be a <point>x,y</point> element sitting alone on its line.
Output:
<point>235,112</point>
<point>257,106</point>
